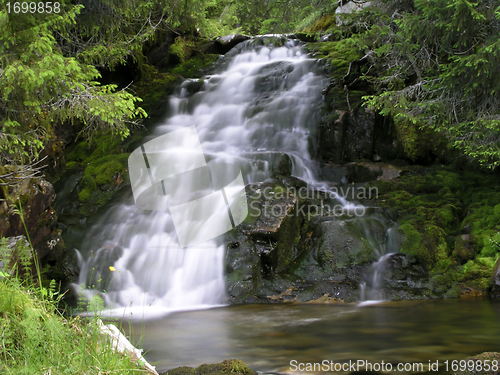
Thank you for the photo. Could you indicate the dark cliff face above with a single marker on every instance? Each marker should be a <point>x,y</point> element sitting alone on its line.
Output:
<point>27,212</point>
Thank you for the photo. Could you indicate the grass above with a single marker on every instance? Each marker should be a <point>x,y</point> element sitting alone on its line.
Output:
<point>36,338</point>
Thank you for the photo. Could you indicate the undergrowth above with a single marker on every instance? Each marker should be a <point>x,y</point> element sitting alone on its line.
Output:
<point>35,337</point>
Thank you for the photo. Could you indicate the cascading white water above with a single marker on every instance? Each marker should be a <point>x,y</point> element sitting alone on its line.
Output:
<point>372,289</point>
<point>262,99</point>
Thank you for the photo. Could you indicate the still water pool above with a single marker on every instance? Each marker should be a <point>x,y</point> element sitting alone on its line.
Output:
<point>268,337</point>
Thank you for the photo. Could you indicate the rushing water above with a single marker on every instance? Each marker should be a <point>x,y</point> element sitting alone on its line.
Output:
<point>268,337</point>
<point>372,288</point>
<point>261,101</point>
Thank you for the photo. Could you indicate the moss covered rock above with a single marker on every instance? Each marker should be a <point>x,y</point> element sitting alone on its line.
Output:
<point>483,358</point>
<point>101,180</point>
<point>448,222</point>
<point>229,366</point>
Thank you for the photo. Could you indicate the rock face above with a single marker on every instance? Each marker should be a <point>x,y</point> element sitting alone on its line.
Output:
<point>346,136</point>
<point>405,278</point>
<point>35,196</point>
<point>27,204</point>
<point>303,245</point>
<point>225,43</point>
<point>292,248</point>
<point>483,358</point>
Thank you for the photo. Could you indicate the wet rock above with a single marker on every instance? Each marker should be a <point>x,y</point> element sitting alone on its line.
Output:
<point>268,242</point>
<point>483,359</point>
<point>406,278</point>
<point>494,290</point>
<point>192,86</point>
<point>360,135</point>
<point>346,135</point>
<point>342,245</point>
<point>305,37</point>
<point>229,366</point>
<point>465,248</point>
<point>227,42</point>
<point>276,225</point>
<point>333,173</point>
<point>360,173</point>
<point>35,196</point>
<point>243,268</point>
<point>283,167</point>
<point>27,204</point>
<point>331,136</point>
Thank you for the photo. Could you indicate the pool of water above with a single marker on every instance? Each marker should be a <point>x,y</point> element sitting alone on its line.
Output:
<point>269,337</point>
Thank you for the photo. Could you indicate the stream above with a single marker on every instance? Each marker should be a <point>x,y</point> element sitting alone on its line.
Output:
<point>268,337</point>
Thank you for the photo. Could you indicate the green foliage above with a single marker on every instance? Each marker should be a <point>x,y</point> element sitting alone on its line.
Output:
<point>437,69</point>
<point>435,208</point>
<point>99,181</point>
<point>340,53</point>
<point>275,16</point>
<point>40,86</point>
<point>181,48</point>
<point>35,337</point>
<point>193,67</point>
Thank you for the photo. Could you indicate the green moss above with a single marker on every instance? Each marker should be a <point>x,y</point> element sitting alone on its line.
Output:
<point>153,89</point>
<point>429,205</point>
<point>339,53</point>
<point>230,366</point>
<point>87,151</point>
<point>193,68</point>
<point>88,187</point>
<point>322,24</point>
<point>101,179</point>
<point>181,48</point>
<point>477,272</point>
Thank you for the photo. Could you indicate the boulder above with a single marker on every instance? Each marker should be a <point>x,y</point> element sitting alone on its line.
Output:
<point>342,245</point>
<point>27,205</point>
<point>227,42</point>
<point>483,358</point>
<point>465,248</point>
<point>229,366</point>
<point>406,278</point>
<point>348,8</point>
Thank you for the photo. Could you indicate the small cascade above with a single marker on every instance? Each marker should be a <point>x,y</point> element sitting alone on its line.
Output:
<point>372,286</point>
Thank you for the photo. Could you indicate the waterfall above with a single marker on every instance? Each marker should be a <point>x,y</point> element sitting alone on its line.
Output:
<point>261,99</point>
<point>372,286</point>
